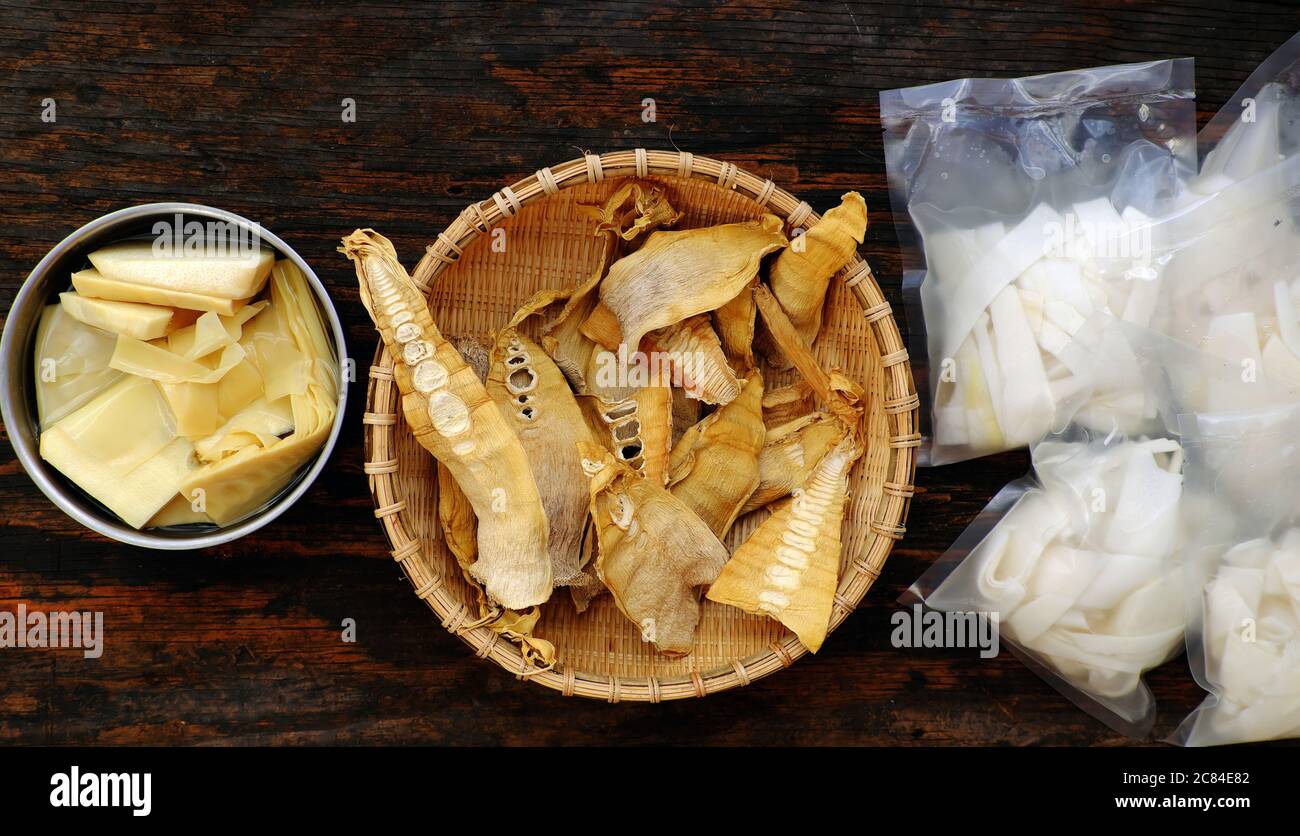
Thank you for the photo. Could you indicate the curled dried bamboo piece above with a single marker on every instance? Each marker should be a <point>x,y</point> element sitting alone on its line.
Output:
<point>789,454</point>
<point>802,273</point>
<point>529,387</point>
<point>789,567</point>
<point>451,415</point>
<point>787,403</point>
<point>735,322</point>
<point>631,212</point>
<point>636,430</point>
<point>715,466</point>
<point>694,359</point>
<point>678,274</point>
<point>654,552</point>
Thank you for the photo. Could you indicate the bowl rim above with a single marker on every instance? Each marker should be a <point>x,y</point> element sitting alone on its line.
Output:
<point>13,361</point>
<point>899,405</point>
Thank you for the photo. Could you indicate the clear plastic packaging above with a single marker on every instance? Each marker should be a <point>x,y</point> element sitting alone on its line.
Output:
<point>1229,251</point>
<point>1243,575</point>
<point>1078,562</point>
<point>1030,203</point>
<point>1236,249</point>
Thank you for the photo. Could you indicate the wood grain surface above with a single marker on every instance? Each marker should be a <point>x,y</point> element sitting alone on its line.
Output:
<point>238,105</point>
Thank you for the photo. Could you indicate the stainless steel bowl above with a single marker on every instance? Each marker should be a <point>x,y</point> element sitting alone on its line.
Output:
<point>17,375</point>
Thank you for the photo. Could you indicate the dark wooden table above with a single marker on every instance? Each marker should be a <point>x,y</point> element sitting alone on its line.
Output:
<point>221,104</point>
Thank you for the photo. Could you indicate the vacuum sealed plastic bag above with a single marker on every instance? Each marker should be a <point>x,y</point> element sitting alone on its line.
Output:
<point>1079,569</point>
<point>1243,572</point>
<point>1229,251</point>
<point>1030,203</point>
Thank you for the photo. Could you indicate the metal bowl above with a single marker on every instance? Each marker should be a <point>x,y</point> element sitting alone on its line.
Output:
<point>17,375</point>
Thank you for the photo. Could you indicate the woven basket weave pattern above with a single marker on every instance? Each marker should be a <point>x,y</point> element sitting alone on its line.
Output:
<point>474,288</point>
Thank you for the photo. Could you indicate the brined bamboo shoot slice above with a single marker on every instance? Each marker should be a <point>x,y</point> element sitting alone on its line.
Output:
<point>654,552</point>
<point>789,567</point>
<point>255,462</point>
<point>261,424</point>
<point>715,466</point>
<point>212,331</point>
<point>637,430</point>
<point>195,406</point>
<point>273,350</point>
<point>71,362</point>
<point>802,273</point>
<point>179,510</point>
<point>532,392</point>
<point>235,274</point>
<point>789,455</point>
<point>678,274</point>
<point>144,322</point>
<point>451,415</point>
<point>241,386</point>
<point>91,283</point>
<point>157,363</point>
<point>134,473</point>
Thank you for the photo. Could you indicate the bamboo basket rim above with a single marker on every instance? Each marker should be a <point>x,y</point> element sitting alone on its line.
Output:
<point>900,406</point>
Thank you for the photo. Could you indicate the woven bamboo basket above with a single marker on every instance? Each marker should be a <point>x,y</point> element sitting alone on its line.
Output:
<point>474,287</point>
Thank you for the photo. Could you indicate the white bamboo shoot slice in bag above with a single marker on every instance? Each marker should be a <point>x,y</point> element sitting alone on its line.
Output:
<point>1059,578</point>
<point>1059,569</point>
<point>1058,281</point>
<point>992,369</point>
<point>1252,645</point>
<point>1281,366</point>
<point>1234,340</point>
<point>1006,561</point>
<point>144,322</point>
<point>966,416</point>
<point>239,274</point>
<point>1144,520</point>
<point>999,267</point>
<point>71,362</point>
<point>1288,320</point>
<point>951,252</point>
<point>1026,409</point>
<point>1101,240</point>
<point>1118,576</point>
